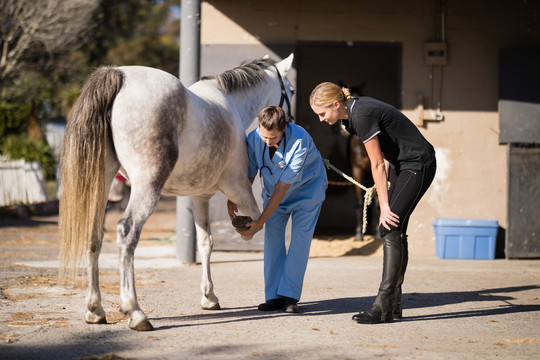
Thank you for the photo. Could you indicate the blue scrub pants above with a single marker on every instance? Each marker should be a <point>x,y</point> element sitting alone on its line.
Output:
<point>284,271</point>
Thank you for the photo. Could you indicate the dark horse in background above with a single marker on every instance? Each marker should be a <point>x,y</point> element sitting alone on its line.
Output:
<point>361,172</point>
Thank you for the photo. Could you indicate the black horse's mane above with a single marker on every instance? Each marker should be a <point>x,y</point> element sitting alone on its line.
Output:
<point>242,77</point>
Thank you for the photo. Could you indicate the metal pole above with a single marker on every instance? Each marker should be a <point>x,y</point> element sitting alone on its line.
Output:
<point>190,53</point>
<point>190,41</point>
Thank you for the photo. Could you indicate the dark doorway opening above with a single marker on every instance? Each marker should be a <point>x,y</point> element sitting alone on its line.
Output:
<point>375,69</point>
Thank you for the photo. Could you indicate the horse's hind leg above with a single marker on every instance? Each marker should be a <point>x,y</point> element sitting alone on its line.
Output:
<point>205,244</point>
<point>142,202</point>
<point>95,313</point>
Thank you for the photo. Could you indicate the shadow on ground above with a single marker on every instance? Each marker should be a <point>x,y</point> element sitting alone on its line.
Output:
<point>352,305</point>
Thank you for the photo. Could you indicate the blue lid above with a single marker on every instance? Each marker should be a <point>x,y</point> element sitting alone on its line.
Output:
<point>465,222</point>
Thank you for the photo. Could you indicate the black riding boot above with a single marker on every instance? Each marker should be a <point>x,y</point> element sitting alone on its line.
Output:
<point>383,306</point>
<point>397,314</point>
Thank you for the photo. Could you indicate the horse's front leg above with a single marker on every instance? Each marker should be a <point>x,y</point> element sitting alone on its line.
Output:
<point>128,233</point>
<point>237,189</point>
<point>205,244</point>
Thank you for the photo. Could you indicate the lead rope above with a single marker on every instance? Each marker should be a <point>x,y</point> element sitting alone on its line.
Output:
<point>368,196</point>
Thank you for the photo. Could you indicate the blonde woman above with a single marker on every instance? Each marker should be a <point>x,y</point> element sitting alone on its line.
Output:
<point>387,135</point>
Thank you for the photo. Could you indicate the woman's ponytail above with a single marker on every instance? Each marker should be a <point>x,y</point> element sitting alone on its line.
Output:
<point>346,92</point>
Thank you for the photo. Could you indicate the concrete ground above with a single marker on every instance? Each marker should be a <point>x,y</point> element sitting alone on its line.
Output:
<point>454,309</point>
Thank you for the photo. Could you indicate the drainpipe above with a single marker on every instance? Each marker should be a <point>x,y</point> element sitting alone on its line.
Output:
<point>190,54</point>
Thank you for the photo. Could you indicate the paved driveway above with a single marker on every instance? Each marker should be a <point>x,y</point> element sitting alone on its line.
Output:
<point>454,309</point>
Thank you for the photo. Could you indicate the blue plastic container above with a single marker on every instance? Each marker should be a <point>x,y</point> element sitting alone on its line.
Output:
<point>465,238</point>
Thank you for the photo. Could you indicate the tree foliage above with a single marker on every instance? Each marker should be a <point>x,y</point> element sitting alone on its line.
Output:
<point>20,147</point>
<point>34,34</point>
<point>135,32</point>
<point>48,47</point>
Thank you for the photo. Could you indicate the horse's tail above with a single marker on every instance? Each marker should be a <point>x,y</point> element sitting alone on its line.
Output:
<point>82,168</point>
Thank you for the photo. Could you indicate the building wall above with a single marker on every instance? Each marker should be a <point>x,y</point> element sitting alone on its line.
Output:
<point>472,177</point>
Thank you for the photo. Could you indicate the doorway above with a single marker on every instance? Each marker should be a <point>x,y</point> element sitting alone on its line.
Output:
<point>372,68</point>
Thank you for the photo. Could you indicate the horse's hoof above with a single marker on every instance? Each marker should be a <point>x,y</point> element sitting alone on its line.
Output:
<point>214,307</point>
<point>138,321</point>
<point>142,326</point>
<point>240,222</point>
<point>145,326</point>
<point>95,319</point>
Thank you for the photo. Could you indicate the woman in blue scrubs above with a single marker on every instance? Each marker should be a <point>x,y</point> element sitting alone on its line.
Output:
<point>294,185</point>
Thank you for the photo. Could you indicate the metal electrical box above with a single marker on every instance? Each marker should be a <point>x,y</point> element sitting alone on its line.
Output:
<point>436,54</point>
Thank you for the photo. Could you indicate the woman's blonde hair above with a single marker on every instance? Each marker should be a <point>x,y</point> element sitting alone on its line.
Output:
<point>326,93</point>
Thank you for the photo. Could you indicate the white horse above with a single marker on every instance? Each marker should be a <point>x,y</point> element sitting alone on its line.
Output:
<point>165,138</point>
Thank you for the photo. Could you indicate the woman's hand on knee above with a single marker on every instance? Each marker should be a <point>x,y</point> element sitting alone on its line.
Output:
<point>388,218</point>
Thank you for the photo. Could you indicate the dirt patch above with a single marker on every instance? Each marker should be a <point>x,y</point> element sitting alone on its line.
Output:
<point>522,341</point>
<point>335,247</point>
<point>8,337</point>
<point>114,317</point>
<point>33,291</point>
<point>36,318</point>
<point>34,286</point>
<point>38,280</point>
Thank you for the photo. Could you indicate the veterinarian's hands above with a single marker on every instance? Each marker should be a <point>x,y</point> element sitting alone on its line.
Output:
<point>253,227</point>
<point>232,209</point>
<point>388,218</point>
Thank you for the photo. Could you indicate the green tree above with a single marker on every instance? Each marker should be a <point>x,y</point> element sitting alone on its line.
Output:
<point>135,32</point>
<point>45,55</point>
<point>36,37</point>
<point>36,34</point>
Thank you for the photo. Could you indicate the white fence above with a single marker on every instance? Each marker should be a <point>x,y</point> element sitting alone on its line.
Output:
<point>21,182</point>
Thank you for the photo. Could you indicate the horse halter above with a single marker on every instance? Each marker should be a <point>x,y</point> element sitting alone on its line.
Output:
<point>284,96</point>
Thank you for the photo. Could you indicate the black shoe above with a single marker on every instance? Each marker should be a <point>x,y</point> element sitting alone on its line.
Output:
<point>372,316</point>
<point>272,305</point>
<point>291,305</point>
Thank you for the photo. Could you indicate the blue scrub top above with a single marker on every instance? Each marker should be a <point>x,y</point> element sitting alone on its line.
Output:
<point>304,168</point>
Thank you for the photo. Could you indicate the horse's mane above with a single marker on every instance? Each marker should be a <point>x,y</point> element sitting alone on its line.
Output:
<point>249,73</point>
